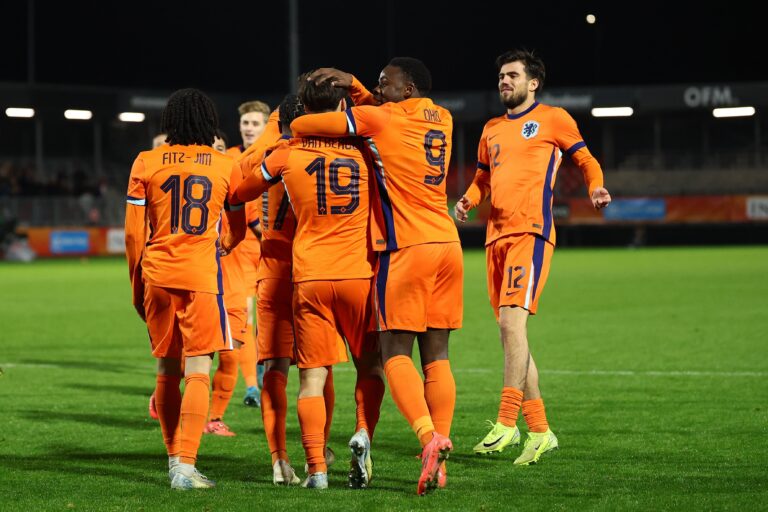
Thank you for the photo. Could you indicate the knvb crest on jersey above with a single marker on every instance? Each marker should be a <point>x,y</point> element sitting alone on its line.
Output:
<point>530,129</point>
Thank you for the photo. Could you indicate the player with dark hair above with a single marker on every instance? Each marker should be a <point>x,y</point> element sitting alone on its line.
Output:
<point>518,158</point>
<point>274,309</point>
<point>179,190</point>
<point>327,181</point>
<point>420,271</point>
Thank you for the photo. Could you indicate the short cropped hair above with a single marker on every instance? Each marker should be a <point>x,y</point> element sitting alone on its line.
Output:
<point>534,66</point>
<point>254,106</point>
<point>416,72</point>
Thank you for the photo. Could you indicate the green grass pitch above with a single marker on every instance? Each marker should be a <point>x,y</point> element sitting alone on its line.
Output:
<point>654,369</point>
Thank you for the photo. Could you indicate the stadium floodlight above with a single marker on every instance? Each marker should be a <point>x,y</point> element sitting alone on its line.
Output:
<point>20,112</point>
<point>131,117</point>
<point>78,114</point>
<point>734,112</point>
<point>591,19</point>
<point>612,112</point>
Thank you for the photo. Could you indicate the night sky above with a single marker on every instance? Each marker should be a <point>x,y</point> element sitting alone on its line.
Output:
<point>242,47</point>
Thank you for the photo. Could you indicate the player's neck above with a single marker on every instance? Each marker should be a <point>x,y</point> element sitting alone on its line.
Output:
<point>523,106</point>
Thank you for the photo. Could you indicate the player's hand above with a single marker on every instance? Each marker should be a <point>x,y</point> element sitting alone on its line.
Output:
<point>600,198</point>
<point>461,210</point>
<point>337,77</point>
<point>224,250</point>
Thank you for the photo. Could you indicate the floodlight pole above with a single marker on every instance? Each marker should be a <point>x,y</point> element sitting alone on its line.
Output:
<point>293,43</point>
<point>31,42</point>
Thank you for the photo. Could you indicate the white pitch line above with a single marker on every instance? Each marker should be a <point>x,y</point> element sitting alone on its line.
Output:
<point>610,373</point>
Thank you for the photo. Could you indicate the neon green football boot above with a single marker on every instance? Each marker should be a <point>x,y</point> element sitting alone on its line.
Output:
<point>537,444</point>
<point>498,438</point>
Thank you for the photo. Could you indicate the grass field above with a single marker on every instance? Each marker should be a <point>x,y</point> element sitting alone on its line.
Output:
<point>654,367</point>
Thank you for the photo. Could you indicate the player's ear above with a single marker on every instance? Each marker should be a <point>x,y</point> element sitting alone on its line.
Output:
<point>533,85</point>
<point>408,90</point>
<point>342,105</point>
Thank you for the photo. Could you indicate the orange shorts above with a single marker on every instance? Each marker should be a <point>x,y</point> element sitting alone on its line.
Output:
<point>420,287</point>
<point>183,321</point>
<point>251,285</point>
<point>238,323</point>
<point>274,318</point>
<point>326,311</point>
<point>518,267</point>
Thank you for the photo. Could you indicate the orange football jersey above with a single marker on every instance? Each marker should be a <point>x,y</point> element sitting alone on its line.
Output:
<point>233,271</point>
<point>250,248</point>
<point>410,145</point>
<point>327,182</point>
<point>235,151</point>
<point>278,224</point>
<point>518,158</point>
<point>183,190</point>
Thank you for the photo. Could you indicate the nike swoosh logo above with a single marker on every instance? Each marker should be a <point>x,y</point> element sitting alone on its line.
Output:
<point>509,293</point>
<point>488,445</point>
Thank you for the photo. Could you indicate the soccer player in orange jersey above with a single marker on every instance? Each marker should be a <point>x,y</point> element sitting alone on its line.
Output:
<point>179,190</point>
<point>157,141</point>
<point>274,308</point>
<point>327,182</point>
<point>419,278</point>
<point>518,158</point>
<point>254,116</point>
<point>235,297</point>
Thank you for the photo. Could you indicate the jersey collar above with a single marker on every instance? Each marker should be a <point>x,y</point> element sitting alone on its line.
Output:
<point>521,114</point>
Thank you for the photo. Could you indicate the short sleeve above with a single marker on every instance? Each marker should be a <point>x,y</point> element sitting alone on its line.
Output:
<point>567,135</point>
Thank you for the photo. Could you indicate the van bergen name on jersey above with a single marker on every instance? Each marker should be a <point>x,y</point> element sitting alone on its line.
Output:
<point>177,157</point>
<point>323,142</point>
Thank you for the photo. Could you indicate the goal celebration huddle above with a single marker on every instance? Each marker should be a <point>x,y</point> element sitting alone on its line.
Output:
<point>331,223</point>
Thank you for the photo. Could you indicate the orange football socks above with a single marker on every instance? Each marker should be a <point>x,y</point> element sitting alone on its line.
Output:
<point>274,406</point>
<point>510,406</point>
<point>535,415</point>
<point>194,411</point>
<point>224,381</point>
<point>407,390</point>
<point>312,420</point>
<point>168,405</point>
<point>440,393</point>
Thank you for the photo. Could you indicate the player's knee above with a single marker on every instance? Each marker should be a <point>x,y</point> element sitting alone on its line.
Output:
<point>512,321</point>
